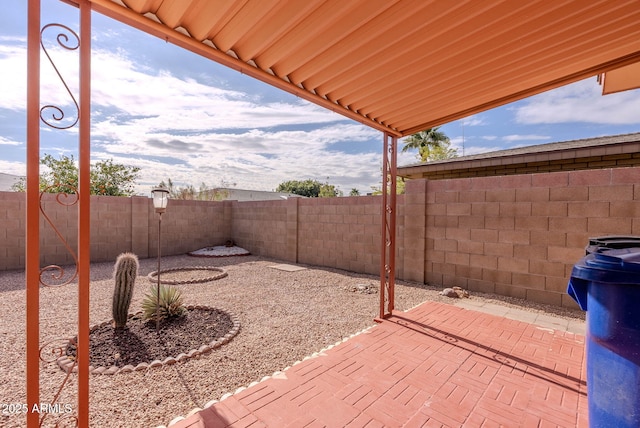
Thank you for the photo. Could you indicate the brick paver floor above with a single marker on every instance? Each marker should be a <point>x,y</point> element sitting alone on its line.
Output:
<point>433,366</point>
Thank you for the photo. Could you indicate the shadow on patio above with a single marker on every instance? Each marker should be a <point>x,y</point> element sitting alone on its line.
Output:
<point>434,365</point>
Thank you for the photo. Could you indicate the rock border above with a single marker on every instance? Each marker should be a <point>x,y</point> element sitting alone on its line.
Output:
<point>67,364</point>
<point>153,276</point>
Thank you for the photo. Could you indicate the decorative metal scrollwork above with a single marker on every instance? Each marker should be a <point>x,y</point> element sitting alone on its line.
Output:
<point>56,277</point>
<point>50,352</point>
<point>52,115</point>
<point>60,116</point>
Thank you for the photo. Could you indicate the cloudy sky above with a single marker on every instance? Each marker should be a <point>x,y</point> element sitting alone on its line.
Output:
<point>176,115</point>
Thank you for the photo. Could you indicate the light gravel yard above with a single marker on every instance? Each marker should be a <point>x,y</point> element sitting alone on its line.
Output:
<point>284,317</point>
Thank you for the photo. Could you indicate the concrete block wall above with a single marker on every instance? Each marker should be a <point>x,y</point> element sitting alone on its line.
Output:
<point>117,225</point>
<point>516,235</point>
<point>412,232</point>
<point>13,208</point>
<point>340,232</point>
<point>520,235</point>
<point>188,226</point>
<point>111,226</point>
<point>266,228</point>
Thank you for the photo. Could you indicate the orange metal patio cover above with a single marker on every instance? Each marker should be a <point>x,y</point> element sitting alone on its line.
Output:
<point>400,66</point>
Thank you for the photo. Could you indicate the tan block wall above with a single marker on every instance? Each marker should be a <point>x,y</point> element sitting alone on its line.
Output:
<point>13,208</point>
<point>189,225</point>
<point>266,228</point>
<point>521,235</point>
<point>516,235</point>
<point>340,232</point>
<point>117,225</point>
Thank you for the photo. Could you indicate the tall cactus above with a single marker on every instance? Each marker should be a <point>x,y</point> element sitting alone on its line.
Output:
<point>125,273</point>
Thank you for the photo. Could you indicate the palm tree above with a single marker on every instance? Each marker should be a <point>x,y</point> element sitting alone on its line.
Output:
<point>427,142</point>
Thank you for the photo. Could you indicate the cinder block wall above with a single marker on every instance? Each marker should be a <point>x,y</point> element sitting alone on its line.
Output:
<point>266,228</point>
<point>335,232</point>
<point>189,225</point>
<point>340,232</point>
<point>12,230</point>
<point>117,225</point>
<point>521,235</point>
<point>517,235</point>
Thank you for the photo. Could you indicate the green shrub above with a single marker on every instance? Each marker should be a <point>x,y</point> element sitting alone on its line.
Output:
<point>171,303</point>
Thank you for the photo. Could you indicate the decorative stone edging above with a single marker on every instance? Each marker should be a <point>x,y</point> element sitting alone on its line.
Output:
<point>153,276</point>
<point>277,375</point>
<point>67,364</point>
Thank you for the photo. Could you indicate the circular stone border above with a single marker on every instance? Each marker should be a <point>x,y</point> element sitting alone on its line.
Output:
<point>67,364</point>
<point>153,276</point>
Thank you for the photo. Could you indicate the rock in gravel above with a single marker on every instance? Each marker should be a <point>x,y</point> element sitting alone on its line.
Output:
<point>455,292</point>
<point>362,288</point>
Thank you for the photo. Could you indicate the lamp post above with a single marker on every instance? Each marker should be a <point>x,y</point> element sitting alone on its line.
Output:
<point>160,199</point>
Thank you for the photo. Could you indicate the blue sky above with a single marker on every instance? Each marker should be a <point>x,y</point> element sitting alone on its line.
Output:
<point>176,115</point>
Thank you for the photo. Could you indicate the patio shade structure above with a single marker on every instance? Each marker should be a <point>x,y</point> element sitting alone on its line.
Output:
<point>397,66</point>
<point>621,79</point>
<point>401,66</point>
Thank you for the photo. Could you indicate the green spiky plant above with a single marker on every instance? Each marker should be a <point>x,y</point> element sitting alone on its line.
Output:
<point>171,303</point>
<point>124,275</point>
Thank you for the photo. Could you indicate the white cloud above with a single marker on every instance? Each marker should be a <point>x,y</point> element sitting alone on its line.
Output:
<point>13,85</point>
<point>476,150</point>
<point>157,100</point>
<point>489,137</point>
<point>516,137</point>
<point>253,171</point>
<point>12,39</point>
<point>14,168</point>
<point>6,142</point>
<point>474,120</point>
<point>253,159</point>
<point>181,129</point>
<point>581,102</point>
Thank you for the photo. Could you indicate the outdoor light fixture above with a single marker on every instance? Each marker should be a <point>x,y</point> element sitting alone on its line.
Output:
<point>160,199</point>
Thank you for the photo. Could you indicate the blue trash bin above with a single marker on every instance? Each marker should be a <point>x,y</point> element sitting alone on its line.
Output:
<point>606,284</point>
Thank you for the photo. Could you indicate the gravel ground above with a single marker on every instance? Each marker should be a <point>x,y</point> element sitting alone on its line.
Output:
<point>284,317</point>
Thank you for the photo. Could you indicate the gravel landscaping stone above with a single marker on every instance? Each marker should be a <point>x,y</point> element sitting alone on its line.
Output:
<point>285,316</point>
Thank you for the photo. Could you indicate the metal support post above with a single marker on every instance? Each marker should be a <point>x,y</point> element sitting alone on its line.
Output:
<point>388,232</point>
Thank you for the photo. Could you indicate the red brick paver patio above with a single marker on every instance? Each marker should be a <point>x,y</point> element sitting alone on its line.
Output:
<point>435,365</point>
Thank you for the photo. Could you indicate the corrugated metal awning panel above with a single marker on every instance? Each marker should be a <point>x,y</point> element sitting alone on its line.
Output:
<point>406,65</point>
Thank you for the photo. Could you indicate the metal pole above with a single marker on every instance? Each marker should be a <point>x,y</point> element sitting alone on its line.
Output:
<point>388,230</point>
<point>393,155</point>
<point>384,226</point>
<point>33,213</point>
<point>158,285</point>
<point>84,211</point>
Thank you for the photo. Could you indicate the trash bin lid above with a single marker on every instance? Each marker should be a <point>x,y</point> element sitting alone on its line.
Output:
<point>620,266</point>
<point>603,243</point>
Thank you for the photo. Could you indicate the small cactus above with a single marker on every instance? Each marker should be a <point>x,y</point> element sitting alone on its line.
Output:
<point>125,273</point>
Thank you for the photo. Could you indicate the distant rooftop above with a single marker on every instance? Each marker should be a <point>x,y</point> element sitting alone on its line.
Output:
<point>6,181</point>
<point>254,195</point>
<point>591,153</point>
